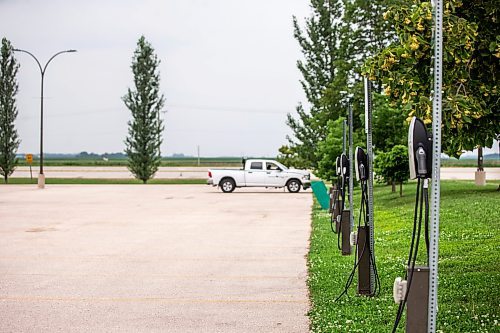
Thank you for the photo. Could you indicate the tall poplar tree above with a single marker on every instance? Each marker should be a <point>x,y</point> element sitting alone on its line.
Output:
<point>145,103</point>
<point>9,139</point>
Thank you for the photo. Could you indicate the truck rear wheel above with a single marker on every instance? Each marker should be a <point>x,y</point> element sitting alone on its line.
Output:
<point>227,185</point>
<point>293,185</point>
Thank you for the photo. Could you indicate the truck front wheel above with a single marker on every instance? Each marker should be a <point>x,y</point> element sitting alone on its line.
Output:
<point>227,185</point>
<point>293,185</point>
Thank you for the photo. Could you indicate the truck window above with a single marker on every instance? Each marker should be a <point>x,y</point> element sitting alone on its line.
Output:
<point>272,166</point>
<point>256,166</point>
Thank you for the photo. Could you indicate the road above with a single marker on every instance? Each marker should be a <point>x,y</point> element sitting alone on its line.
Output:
<point>90,258</point>
<point>199,172</point>
<point>111,172</point>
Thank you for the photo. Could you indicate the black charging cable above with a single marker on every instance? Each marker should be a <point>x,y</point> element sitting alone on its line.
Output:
<point>422,198</point>
<point>377,284</point>
<point>363,214</point>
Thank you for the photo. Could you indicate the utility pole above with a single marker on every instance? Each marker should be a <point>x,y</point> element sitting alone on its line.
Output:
<point>198,155</point>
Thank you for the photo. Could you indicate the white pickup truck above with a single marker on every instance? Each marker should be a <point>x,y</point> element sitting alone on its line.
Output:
<point>260,173</point>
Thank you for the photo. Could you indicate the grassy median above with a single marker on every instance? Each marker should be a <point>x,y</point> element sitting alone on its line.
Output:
<point>469,263</point>
<point>106,181</point>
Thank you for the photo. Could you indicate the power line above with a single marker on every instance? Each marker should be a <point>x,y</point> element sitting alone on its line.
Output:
<point>170,108</point>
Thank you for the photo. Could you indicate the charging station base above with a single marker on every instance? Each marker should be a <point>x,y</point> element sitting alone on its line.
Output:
<point>345,222</point>
<point>417,303</point>
<point>364,261</point>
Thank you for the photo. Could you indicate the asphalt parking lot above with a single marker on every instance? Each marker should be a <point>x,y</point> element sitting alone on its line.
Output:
<point>132,258</point>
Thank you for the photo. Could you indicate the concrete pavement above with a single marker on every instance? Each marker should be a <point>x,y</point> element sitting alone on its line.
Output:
<point>150,258</point>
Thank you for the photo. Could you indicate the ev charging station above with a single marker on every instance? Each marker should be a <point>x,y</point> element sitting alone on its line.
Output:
<point>343,225</point>
<point>419,291</point>
<point>342,219</point>
<point>336,196</point>
<point>345,220</point>
<point>363,239</point>
<point>412,291</point>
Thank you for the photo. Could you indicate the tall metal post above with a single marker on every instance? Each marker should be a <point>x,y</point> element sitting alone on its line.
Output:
<point>41,127</point>
<point>351,165</point>
<point>344,136</point>
<point>436,164</point>
<point>41,176</point>
<point>369,148</point>
<point>198,155</point>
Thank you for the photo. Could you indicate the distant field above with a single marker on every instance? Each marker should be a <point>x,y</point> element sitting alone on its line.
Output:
<point>214,162</point>
<point>170,162</point>
<point>469,163</point>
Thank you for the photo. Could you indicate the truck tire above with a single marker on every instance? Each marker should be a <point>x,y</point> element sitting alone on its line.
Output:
<point>227,185</point>
<point>293,185</point>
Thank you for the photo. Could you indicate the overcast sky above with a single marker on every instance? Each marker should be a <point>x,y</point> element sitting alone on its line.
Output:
<point>228,71</point>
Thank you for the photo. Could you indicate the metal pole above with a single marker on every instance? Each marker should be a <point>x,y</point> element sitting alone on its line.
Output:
<point>41,125</point>
<point>198,155</point>
<point>436,164</point>
<point>369,148</point>
<point>343,136</point>
<point>41,176</point>
<point>351,167</point>
<point>480,158</point>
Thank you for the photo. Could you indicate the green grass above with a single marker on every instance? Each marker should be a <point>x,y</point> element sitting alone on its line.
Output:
<point>107,181</point>
<point>469,263</point>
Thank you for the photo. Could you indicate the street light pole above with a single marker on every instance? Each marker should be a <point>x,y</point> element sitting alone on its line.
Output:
<point>41,176</point>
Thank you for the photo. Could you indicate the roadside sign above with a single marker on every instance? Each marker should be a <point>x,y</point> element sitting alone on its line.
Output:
<point>29,160</point>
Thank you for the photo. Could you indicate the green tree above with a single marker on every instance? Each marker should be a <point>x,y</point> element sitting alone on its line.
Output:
<point>388,123</point>
<point>392,167</point>
<point>365,33</point>
<point>330,148</point>
<point>288,156</point>
<point>321,68</point>
<point>9,139</point>
<point>144,102</point>
<point>471,58</point>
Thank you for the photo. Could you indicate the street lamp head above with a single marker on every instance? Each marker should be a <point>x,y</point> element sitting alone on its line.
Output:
<point>71,51</point>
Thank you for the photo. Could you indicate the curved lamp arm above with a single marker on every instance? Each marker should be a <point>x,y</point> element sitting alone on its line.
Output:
<point>55,55</point>
<point>31,54</point>
<point>42,70</point>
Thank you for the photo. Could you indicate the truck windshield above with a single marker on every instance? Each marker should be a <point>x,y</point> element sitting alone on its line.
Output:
<point>282,167</point>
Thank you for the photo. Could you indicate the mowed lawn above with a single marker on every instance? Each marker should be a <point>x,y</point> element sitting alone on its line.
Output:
<point>469,262</point>
<point>104,181</point>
